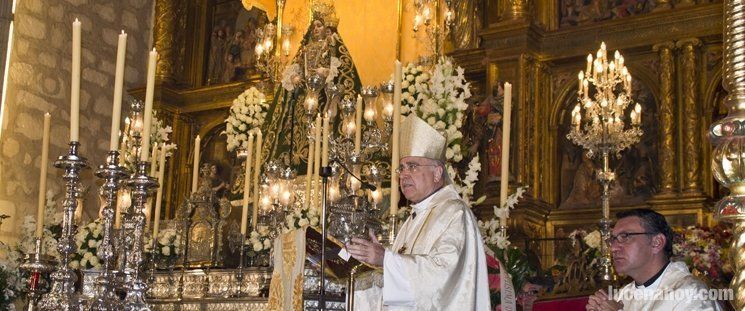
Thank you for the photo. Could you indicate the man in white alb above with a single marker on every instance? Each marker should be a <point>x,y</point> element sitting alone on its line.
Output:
<point>437,261</point>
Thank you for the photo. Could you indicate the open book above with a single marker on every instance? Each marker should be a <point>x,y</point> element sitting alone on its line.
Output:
<point>336,266</point>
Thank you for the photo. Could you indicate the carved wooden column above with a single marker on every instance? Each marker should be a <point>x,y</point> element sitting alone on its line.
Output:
<point>667,119</point>
<point>691,116</point>
<point>167,14</point>
<point>516,10</point>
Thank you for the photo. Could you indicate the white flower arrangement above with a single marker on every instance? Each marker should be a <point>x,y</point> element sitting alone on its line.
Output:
<point>88,239</point>
<point>159,134</point>
<point>247,112</point>
<point>302,217</point>
<point>168,243</point>
<point>52,228</point>
<point>490,229</point>
<point>11,282</point>
<point>414,78</point>
<point>438,96</point>
<point>259,241</point>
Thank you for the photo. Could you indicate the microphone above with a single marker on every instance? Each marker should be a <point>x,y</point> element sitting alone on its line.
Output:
<point>365,185</point>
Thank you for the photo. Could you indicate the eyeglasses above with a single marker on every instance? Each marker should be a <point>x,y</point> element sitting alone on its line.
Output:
<point>622,238</point>
<point>411,167</point>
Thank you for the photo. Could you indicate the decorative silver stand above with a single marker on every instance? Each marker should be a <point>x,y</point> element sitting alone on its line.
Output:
<point>239,274</point>
<point>112,174</point>
<point>62,296</point>
<point>36,268</point>
<point>141,185</point>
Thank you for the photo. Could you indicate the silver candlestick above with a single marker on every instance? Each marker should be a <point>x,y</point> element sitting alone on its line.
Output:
<point>112,174</point>
<point>62,296</point>
<point>36,267</point>
<point>141,185</point>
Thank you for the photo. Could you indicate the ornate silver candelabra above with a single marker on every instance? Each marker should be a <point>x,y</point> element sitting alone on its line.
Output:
<point>112,174</point>
<point>36,266</point>
<point>62,296</point>
<point>141,185</point>
<point>604,131</point>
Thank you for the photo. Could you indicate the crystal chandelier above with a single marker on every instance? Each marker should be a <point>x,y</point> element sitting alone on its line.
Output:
<point>604,131</point>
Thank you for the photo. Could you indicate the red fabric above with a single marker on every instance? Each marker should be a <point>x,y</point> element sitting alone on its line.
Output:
<point>568,304</point>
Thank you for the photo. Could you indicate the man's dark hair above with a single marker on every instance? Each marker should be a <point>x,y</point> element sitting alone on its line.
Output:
<point>652,222</point>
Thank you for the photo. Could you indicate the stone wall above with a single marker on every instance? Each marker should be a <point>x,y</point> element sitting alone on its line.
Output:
<point>39,82</point>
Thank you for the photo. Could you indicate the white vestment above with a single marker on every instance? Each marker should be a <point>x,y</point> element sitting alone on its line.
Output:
<point>675,289</point>
<point>437,261</point>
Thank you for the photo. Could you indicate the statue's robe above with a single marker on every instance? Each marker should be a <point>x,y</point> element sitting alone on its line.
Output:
<point>437,261</point>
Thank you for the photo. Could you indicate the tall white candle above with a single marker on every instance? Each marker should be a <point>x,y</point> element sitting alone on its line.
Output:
<point>325,145</point>
<point>395,138</point>
<point>317,163</point>
<point>159,195</point>
<point>195,169</point>
<point>75,85</point>
<point>358,123</point>
<point>116,115</point>
<point>148,113</point>
<point>309,173</point>
<point>43,176</point>
<point>257,169</point>
<point>154,157</point>
<point>247,185</point>
<point>505,174</point>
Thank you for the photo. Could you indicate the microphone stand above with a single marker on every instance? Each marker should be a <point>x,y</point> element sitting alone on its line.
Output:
<point>325,174</point>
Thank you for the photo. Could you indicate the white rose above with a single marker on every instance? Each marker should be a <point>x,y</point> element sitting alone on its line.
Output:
<point>83,263</point>
<point>410,78</point>
<point>449,153</point>
<point>267,243</point>
<point>94,261</point>
<point>258,247</point>
<point>91,243</point>
<point>75,264</point>
<point>254,235</point>
<point>303,222</point>
<point>165,250</point>
<point>431,121</point>
<point>411,89</point>
<point>404,84</point>
<point>593,239</point>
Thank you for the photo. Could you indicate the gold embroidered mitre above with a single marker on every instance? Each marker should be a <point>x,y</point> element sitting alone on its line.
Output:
<point>418,139</point>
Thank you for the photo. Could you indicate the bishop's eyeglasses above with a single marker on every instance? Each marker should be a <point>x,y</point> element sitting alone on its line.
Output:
<point>410,167</point>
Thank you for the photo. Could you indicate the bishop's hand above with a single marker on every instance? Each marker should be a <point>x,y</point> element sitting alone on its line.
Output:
<point>370,252</point>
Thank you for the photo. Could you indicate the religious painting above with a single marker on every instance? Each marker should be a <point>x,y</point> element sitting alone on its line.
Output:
<point>483,132</point>
<point>231,46</point>
<point>636,168</point>
<point>579,12</point>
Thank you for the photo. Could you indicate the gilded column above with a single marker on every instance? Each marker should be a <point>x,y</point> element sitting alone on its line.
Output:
<point>164,38</point>
<point>691,117</point>
<point>516,10</point>
<point>667,119</point>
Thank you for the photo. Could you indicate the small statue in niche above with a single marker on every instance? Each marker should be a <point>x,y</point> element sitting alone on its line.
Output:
<point>485,130</point>
<point>218,186</point>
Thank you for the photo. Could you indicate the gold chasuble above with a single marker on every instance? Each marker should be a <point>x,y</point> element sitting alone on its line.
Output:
<point>438,256</point>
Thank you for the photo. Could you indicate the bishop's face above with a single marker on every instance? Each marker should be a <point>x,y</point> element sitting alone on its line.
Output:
<point>419,177</point>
